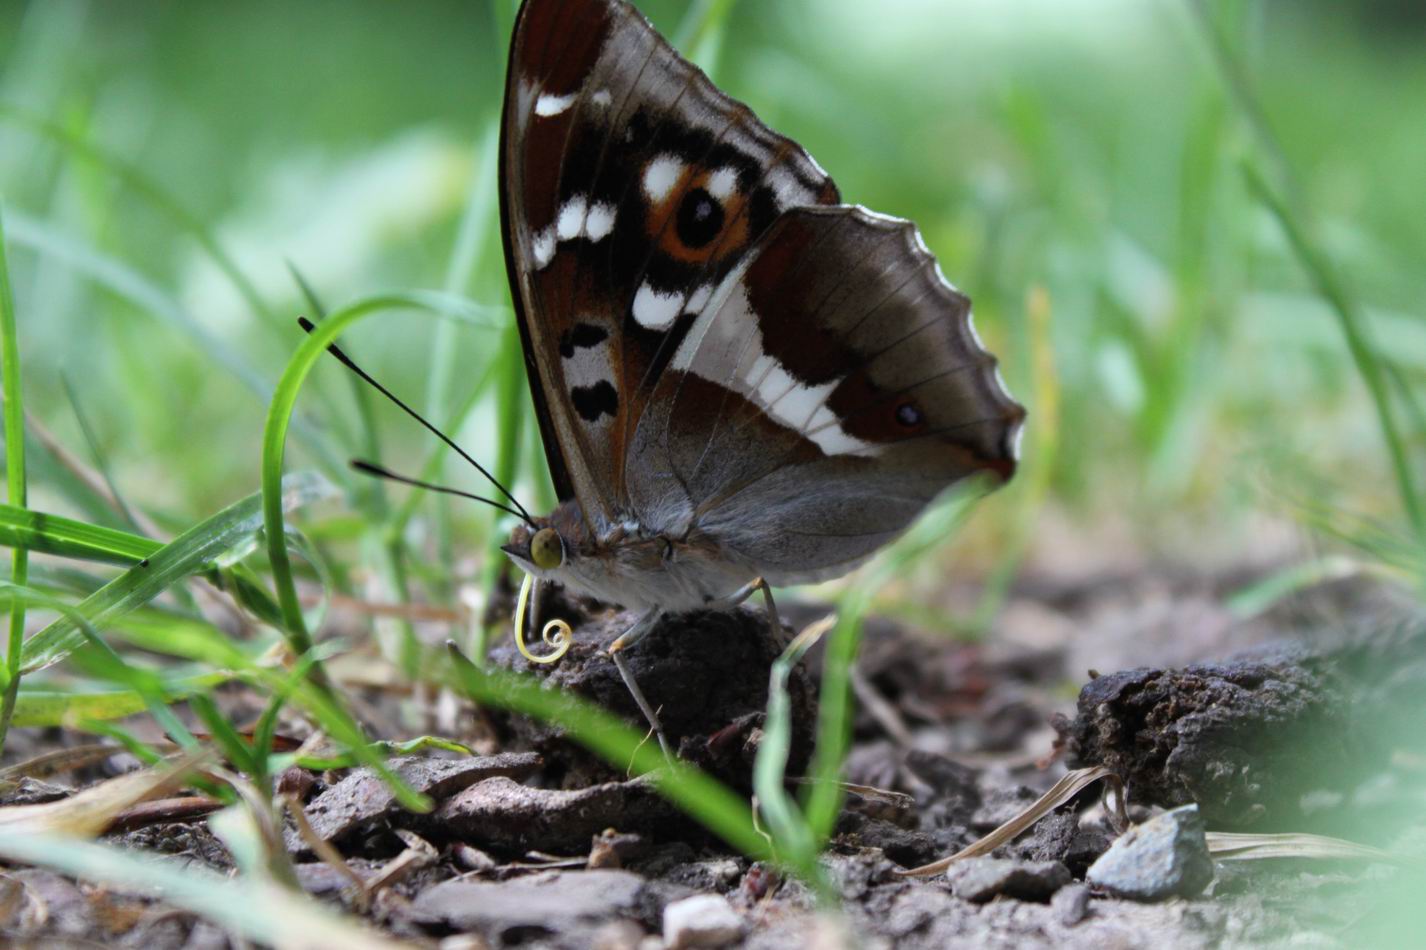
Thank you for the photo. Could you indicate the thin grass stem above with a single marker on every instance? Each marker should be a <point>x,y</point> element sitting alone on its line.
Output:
<point>14,482</point>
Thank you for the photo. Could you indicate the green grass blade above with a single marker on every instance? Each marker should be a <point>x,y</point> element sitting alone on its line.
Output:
<point>1357,334</point>
<point>700,33</point>
<point>834,715</point>
<point>27,530</point>
<point>511,398</point>
<point>259,911</point>
<point>266,729</point>
<point>96,452</point>
<point>790,829</point>
<point>477,222</point>
<point>279,419</point>
<point>44,707</point>
<point>187,638</point>
<point>148,687</point>
<point>235,748</point>
<point>14,480</point>
<point>181,557</point>
<point>1292,216</point>
<point>150,299</point>
<point>707,800</point>
<point>431,466</point>
<point>835,706</point>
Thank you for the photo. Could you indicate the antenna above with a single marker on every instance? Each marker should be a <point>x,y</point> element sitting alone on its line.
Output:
<point>366,378</point>
<point>371,468</point>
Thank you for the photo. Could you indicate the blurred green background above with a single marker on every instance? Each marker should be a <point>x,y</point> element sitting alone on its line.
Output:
<point>1076,159</point>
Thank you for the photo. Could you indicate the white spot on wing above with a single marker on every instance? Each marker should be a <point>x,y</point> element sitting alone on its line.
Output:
<point>589,365</point>
<point>571,219</point>
<point>699,299</point>
<point>787,191</point>
<point>834,440</point>
<point>599,222</point>
<point>660,176</point>
<point>722,183</point>
<point>654,310</point>
<point>543,248</point>
<point>602,98</point>
<point>548,105</point>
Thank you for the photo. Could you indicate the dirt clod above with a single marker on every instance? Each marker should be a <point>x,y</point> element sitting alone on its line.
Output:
<point>706,673</point>
<point>1255,741</point>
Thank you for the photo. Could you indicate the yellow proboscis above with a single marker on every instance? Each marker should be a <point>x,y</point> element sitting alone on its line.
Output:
<point>556,633</point>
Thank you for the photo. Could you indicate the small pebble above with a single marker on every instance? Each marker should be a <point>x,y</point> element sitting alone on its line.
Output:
<point>704,920</point>
<point>1070,904</point>
<point>983,879</point>
<point>1164,857</point>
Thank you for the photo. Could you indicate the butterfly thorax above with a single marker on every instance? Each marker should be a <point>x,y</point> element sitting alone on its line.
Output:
<point>633,565</point>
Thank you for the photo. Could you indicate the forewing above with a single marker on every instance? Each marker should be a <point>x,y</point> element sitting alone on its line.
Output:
<point>830,390</point>
<point>630,188</point>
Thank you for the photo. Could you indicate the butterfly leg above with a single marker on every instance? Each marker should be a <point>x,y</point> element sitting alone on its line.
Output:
<point>630,637</point>
<point>748,590</point>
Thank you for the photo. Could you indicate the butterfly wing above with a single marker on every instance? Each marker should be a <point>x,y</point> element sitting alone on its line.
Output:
<point>830,390</point>
<point>631,187</point>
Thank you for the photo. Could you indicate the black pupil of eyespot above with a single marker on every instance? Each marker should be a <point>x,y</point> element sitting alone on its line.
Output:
<point>908,415</point>
<point>700,218</point>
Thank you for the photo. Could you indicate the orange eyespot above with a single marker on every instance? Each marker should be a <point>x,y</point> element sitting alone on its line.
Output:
<point>695,214</point>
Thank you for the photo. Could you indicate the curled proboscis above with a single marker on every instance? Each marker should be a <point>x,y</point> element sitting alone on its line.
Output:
<point>557,634</point>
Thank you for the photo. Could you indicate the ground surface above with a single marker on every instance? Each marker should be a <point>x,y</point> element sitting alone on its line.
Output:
<point>537,844</point>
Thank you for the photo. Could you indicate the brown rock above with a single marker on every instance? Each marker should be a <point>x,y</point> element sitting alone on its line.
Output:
<point>499,813</point>
<point>363,797</point>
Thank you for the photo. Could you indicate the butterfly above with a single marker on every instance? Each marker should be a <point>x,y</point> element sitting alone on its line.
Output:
<point>740,381</point>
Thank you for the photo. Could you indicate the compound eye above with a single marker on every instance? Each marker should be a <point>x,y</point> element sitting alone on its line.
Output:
<point>547,549</point>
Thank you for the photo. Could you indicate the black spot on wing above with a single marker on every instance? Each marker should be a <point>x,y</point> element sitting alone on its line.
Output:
<point>762,210</point>
<point>700,219</point>
<point>591,402</point>
<point>581,336</point>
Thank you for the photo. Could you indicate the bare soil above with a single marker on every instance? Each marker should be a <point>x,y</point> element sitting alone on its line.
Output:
<point>537,843</point>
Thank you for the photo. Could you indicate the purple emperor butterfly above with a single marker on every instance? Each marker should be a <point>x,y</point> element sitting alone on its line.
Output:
<point>740,381</point>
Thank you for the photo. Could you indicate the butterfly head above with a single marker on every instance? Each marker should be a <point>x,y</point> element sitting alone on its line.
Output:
<point>550,548</point>
<point>538,549</point>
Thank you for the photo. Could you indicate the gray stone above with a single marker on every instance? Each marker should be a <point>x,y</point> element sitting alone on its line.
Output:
<point>554,902</point>
<point>32,791</point>
<point>1164,857</point>
<point>704,920</point>
<point>983,879</point>
<point>1070,904</point>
